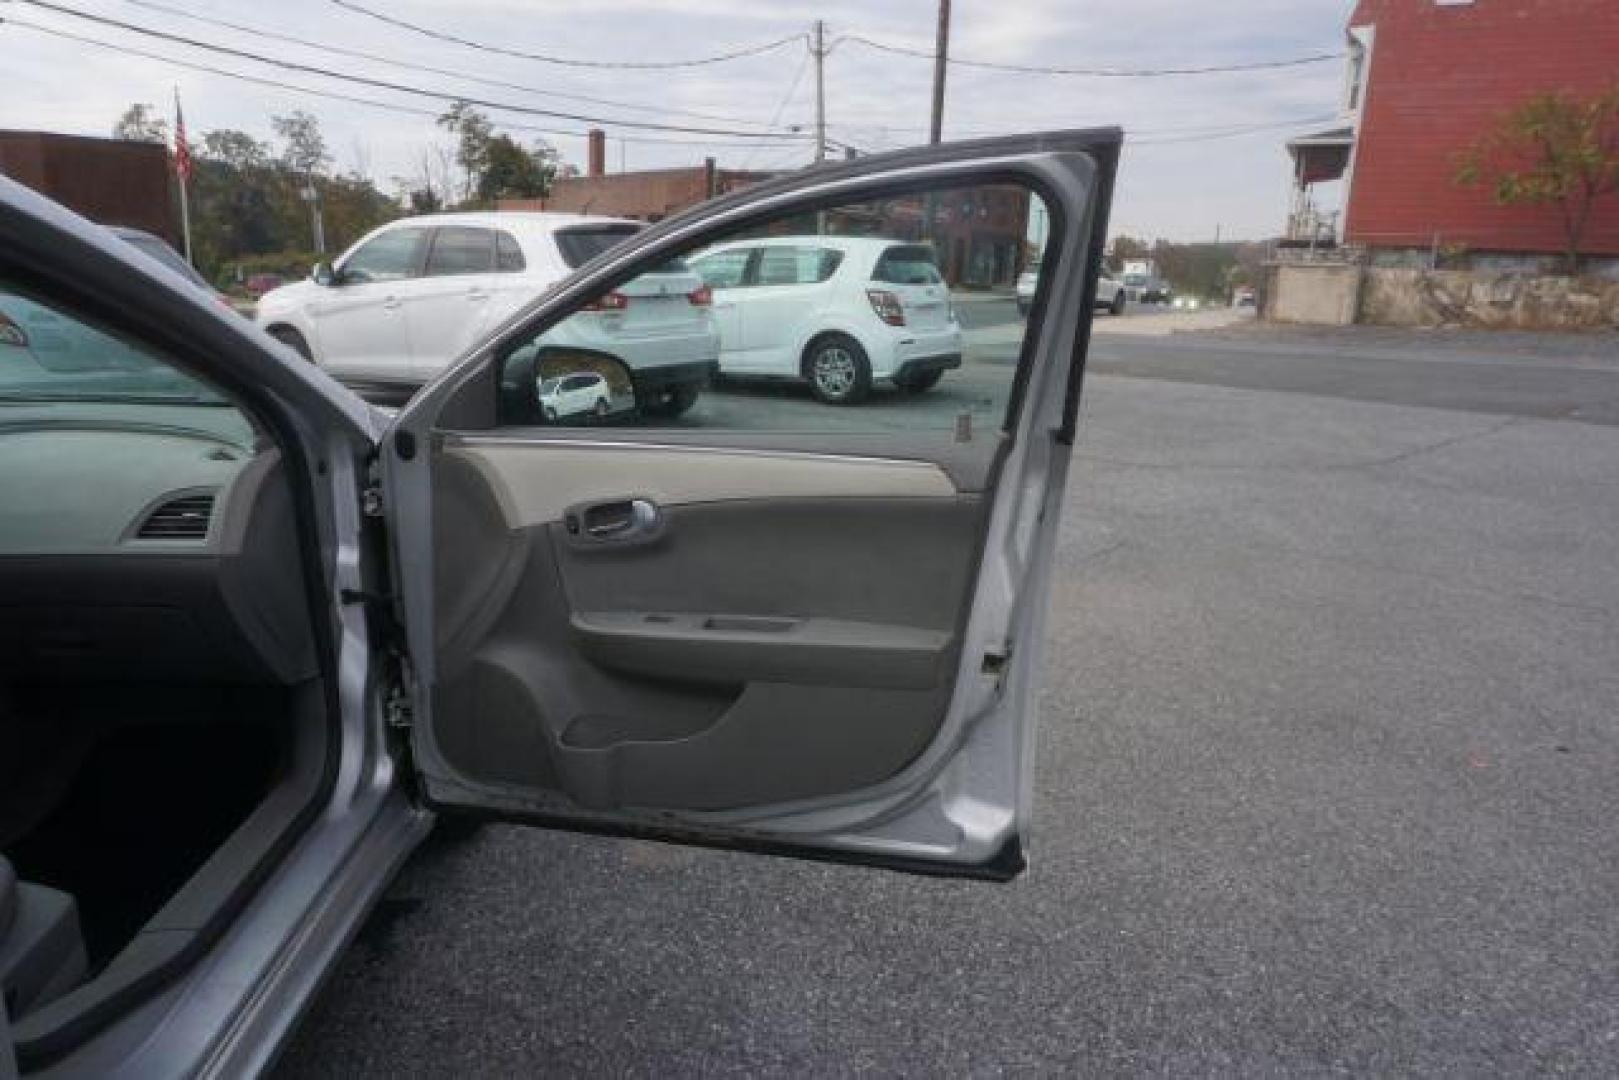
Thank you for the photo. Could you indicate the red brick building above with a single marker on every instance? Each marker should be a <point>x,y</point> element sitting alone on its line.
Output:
<point>979,233</point>
<point>110,181</point>
<point>1427,77</point>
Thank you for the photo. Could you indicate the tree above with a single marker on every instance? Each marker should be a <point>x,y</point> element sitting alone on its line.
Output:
<point>473,133</point>
<point>511,172</point>
<point>237,149</point>
<point>140,123</point>
<point>305,150</point>
<point>1555,149</point>
<point>1126,248</point>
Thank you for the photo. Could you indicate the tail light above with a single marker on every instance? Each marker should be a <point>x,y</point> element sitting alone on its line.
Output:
<point>702,296</point>
<point>887,306</point>
<point>613,301</point>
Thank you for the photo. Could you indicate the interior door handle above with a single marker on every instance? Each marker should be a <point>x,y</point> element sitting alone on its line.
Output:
<point>477,294</point>
<point>619,521</point>
<point>390,303</point>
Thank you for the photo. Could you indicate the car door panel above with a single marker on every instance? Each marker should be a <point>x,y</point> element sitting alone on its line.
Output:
<point>361,330</point>
<point>820,653</point>
<point>735,661</point>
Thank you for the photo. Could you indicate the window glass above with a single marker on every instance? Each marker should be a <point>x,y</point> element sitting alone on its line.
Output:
<point>581,244</point>
<point>101,432</point>
<point>461,250</point>
<point>783,265</point>
<point>909,265</point>
<point>918,330</point>
<point>723,269</point>
<point>390,257</point>
<point>163,253</point>
<point>508,255</point>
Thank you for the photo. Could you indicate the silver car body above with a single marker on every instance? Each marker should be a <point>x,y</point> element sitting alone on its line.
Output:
<point>962,807</point>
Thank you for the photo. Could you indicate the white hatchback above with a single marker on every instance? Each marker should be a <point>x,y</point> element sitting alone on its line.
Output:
<point>400,305</point>
<point>839,311</point>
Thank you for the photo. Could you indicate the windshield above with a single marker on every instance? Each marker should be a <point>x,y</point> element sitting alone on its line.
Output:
<point>163,253</point>
<point>46,356</point>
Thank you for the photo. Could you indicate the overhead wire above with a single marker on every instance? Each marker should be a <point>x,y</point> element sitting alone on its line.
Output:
<point>390,106</point>
<point>384,84</point>
<point>1090,72</point>
<point>792,88</point>
<point>629,65</point>
<point>358,54</point>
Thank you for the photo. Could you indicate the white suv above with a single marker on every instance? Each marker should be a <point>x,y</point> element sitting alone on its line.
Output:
<point>400,305</point>
<point>839,311</point>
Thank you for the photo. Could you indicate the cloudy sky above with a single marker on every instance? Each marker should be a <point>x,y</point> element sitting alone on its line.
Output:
<point>1196,159</point>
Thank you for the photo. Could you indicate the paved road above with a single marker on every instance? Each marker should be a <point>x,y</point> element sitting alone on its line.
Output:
<point>1326,782</point>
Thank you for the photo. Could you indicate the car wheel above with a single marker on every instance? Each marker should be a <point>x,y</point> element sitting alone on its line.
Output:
<point>669,402</point>
<point>294,341</point>
<point>1117,307</point>
<point>921,382</point>
<point>837,370</point>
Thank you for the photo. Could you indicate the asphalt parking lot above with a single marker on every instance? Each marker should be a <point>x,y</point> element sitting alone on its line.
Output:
<point>1326,781</point>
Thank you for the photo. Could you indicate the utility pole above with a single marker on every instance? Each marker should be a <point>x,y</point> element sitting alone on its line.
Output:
<point>820,91</point>
<point>941,59</point>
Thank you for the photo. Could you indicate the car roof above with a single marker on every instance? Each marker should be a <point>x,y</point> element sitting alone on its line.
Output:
<point>848,244</point>
<point>518,220</point>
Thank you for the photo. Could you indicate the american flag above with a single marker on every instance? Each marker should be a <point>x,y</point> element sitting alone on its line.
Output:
<point>182,151</point>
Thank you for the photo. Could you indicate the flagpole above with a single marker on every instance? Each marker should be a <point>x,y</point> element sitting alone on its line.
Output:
<point>182,153</point>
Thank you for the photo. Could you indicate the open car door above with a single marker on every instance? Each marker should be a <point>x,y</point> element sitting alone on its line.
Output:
<point>745,617</point>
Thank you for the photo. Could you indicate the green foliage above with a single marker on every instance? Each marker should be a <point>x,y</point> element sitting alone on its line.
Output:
<point>305,149</point>
<point>1555,150</point>
<point>511,172</point>
<point>1126,248</point>
<point>473,132</point>
<point>247,211</point>
<point>290,265</point>
<point>495,166</point>
<point>141,123</point>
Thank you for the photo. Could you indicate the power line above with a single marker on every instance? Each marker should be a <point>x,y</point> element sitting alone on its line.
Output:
<point>410,65</point>
<point>792,88</point>
<point>641,65</point>
<point>383,84</point>
<point>388,106</point>
<point>1098,73</point>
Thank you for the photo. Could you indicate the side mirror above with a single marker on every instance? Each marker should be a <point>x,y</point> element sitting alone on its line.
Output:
<point>324,274</point>
<point>542,384</point>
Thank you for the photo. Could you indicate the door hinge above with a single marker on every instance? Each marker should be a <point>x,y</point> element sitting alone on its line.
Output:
<point>371,500</point>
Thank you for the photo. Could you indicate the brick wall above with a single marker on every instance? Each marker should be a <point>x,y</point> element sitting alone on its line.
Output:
<point>1439,75</point>
<point>106,180</point>
<point>647,196</point>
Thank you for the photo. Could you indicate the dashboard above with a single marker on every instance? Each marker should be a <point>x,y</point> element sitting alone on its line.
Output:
<point>147,543</point>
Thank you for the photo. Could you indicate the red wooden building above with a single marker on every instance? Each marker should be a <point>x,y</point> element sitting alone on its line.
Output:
<point>1427,77</point>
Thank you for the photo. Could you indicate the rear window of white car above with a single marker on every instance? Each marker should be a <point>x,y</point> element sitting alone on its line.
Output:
<point>582,243</point>
<point>907,264</point>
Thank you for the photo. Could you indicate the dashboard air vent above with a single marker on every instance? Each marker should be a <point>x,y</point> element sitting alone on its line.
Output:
<point>183,518</point>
